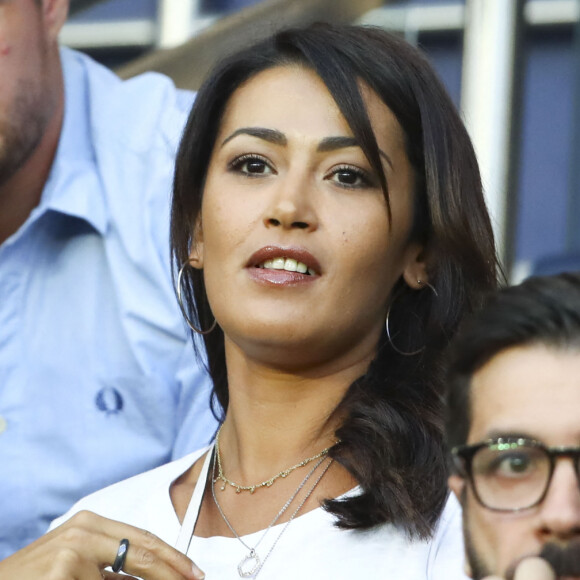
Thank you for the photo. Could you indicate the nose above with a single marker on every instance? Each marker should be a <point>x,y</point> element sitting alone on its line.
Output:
<point>292,202</point>
<point>560,510</point>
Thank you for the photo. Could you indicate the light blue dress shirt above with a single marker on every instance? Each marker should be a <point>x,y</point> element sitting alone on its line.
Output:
<point>98,380</point>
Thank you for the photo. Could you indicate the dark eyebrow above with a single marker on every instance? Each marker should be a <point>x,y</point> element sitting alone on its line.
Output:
<point>278,138</point>
<point>498,434</point>
<point>333,143</point>
<point>270,135</point>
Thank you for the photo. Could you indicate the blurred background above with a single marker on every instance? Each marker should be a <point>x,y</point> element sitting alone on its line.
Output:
<point>511,66</point>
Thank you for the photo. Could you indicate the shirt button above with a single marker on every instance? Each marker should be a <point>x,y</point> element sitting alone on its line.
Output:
<point>3,424</point>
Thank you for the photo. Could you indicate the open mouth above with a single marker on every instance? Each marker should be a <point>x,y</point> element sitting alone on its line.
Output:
<point>298,262</point>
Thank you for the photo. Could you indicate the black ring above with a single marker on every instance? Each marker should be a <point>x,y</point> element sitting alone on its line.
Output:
<point>121,555</point>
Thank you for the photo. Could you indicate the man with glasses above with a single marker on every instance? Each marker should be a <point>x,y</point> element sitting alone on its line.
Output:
<point>514,428</point>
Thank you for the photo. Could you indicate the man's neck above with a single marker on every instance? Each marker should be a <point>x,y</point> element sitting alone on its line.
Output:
<point>21,193</point>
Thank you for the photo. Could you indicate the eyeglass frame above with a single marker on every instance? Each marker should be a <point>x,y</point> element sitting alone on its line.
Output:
<point>463,459</point>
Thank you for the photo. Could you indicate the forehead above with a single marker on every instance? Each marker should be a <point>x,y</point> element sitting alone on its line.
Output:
<point>295,100</point>
<point>530,390</point>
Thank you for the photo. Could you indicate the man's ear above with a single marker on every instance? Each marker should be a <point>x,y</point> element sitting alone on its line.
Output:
<point>457,485</point>
<point>415,272</point>
<point>196,253</point>
<point>54,15</point>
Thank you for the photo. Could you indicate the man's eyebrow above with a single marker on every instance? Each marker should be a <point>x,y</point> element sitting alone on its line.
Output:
<point>333,143</point>
<point>270,135</point>
<point>503,434</point>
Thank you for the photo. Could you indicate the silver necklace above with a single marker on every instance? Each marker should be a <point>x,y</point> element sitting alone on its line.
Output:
<point>251,564</point>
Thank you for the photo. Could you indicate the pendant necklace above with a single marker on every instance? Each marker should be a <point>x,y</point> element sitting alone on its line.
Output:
<point>251,564</point>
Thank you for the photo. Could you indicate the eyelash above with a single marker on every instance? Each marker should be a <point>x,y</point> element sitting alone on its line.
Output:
<point>365,178</point>
<point>236,164</point>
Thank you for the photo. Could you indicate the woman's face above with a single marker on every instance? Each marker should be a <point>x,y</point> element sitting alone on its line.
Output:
<point>298,255</point>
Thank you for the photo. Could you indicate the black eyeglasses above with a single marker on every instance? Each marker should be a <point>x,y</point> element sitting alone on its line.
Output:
<point>510,474</point>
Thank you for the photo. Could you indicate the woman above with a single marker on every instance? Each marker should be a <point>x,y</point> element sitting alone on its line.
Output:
<point>331,230</point>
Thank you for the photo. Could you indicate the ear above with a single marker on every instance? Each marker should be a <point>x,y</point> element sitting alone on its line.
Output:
<point>415,271</point>
<point>457,485</point>
<point>196,253</point>
<point>54,14</point>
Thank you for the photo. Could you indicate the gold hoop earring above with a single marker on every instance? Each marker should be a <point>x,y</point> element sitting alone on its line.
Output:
<point>182,308</point>
<point>402,352</point>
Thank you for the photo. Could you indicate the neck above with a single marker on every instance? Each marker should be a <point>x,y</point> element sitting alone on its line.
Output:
<point>276,419</point>
<point>21,193</point>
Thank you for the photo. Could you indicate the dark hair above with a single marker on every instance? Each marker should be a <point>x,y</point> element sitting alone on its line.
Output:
<point>541,310</point>
<point>392,436</point>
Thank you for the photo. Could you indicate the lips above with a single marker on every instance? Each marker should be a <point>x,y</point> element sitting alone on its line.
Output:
<point>295,260</point>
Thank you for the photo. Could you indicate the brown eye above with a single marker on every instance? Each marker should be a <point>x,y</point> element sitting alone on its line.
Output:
<point>255,167</point>
<point>251,165</point>
<point>347,177</point>
<point>350,177</point>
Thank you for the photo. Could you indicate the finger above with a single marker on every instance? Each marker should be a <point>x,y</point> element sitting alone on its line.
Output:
<point>49,559</point>
<point>150,559</point>
<point>148,556</point>
<point>534,568</point>
<point>68,563</point>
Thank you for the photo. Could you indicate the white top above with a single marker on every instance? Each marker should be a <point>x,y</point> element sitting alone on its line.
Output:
<point>310,548</point>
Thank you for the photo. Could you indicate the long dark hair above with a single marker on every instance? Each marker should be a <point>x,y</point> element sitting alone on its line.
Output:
<point>392,437</point>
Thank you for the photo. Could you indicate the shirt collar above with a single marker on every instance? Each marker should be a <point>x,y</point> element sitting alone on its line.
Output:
<point>74,186</point>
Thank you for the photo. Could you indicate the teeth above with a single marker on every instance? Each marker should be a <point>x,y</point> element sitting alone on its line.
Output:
<point>288,264</point>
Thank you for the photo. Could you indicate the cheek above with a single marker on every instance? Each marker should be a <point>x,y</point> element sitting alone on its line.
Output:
<point>372,248</point>
<point>499,539</point>
<point>226,225</point>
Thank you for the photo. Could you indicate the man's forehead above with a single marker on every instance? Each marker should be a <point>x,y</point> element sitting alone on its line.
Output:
<point>531,390</point>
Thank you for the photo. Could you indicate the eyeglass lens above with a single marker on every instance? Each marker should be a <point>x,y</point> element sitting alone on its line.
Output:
<point>510,475</point>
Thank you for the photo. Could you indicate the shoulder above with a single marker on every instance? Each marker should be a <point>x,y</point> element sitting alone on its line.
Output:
<point>142,113</point>
<point>132,131</point>
<point>128,500</point>
<point>383,551</point>
<point>437,558</point>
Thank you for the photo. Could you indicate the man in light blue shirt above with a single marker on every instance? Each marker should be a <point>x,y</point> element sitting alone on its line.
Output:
<point>98,380</point>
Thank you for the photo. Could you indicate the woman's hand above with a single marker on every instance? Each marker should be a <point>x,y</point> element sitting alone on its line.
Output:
<point>85,545</point>
<point>533,568</point>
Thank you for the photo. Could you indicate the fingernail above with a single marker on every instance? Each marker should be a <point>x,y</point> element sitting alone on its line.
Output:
<point>198,573</point>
